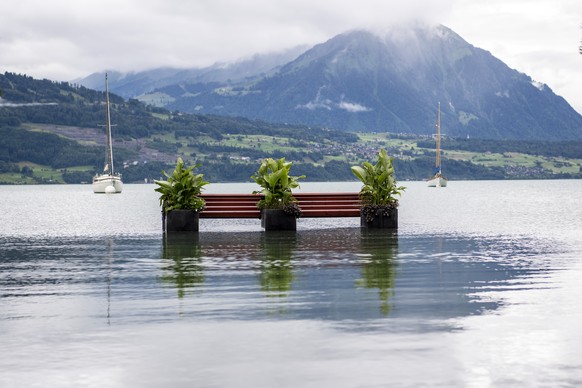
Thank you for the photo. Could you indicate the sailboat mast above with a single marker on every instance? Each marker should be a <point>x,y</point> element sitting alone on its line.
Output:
<point>108,128</point>
<point>438,138</point>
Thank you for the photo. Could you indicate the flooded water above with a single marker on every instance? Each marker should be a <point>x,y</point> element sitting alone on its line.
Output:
<point>479,287</point>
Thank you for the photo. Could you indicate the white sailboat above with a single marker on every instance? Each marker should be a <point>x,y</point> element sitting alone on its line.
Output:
<point>109,182</point>
<point>438,180</point>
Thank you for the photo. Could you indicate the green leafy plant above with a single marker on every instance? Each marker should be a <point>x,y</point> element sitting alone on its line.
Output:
<point>276,183</point>
<point>182,189</point>
<point>379,192</point>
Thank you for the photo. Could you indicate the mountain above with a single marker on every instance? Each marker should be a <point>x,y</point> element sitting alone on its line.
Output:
<point>134,84</point>
<point>390,82</point>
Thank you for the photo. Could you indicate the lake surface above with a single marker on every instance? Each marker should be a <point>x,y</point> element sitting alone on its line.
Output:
<point>481,286</point>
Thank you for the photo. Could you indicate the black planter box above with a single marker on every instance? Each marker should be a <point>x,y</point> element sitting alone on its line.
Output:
<point>181,221</point>
<point>277,219</point>
<point>380,221</point>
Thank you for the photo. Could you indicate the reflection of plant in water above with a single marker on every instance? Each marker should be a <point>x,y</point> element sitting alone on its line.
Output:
<point>380,271</point>
<point>276,270</point>
<point>182,265</point>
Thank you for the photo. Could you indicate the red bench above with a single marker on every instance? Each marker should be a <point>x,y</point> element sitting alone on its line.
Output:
<point>312,205</point>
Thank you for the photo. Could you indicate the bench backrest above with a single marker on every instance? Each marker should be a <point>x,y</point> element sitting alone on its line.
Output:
<point>312,205</point>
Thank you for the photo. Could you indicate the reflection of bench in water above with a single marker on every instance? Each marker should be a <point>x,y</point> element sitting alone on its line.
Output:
<point>312,205</point>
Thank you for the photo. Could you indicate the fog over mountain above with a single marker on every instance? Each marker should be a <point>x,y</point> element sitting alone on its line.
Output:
<point>130,85</point>
<point>370,81</point>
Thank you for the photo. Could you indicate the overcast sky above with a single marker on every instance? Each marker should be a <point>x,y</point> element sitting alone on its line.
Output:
<point>67,39</point>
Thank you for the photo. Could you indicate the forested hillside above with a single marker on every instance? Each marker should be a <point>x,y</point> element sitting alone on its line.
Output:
<point>29,106</point>
<point>51,133</point>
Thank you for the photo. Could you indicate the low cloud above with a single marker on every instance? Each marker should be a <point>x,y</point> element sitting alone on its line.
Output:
<point>313,105</point>
<point>352,107</point>
<point>64,40</point>
<point>5,104</point>
<point>328,104</point>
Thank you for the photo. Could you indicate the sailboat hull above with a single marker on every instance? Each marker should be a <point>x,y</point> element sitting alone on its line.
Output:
<point>437,181</point>
<point>106,183</point>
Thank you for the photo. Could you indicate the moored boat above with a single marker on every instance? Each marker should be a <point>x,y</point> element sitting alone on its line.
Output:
<point>438,180</point>
<point>109,182</point>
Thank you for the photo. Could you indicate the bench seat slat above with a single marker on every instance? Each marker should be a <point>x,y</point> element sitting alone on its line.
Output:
<point>231,214</point>
<point>331,213</point>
